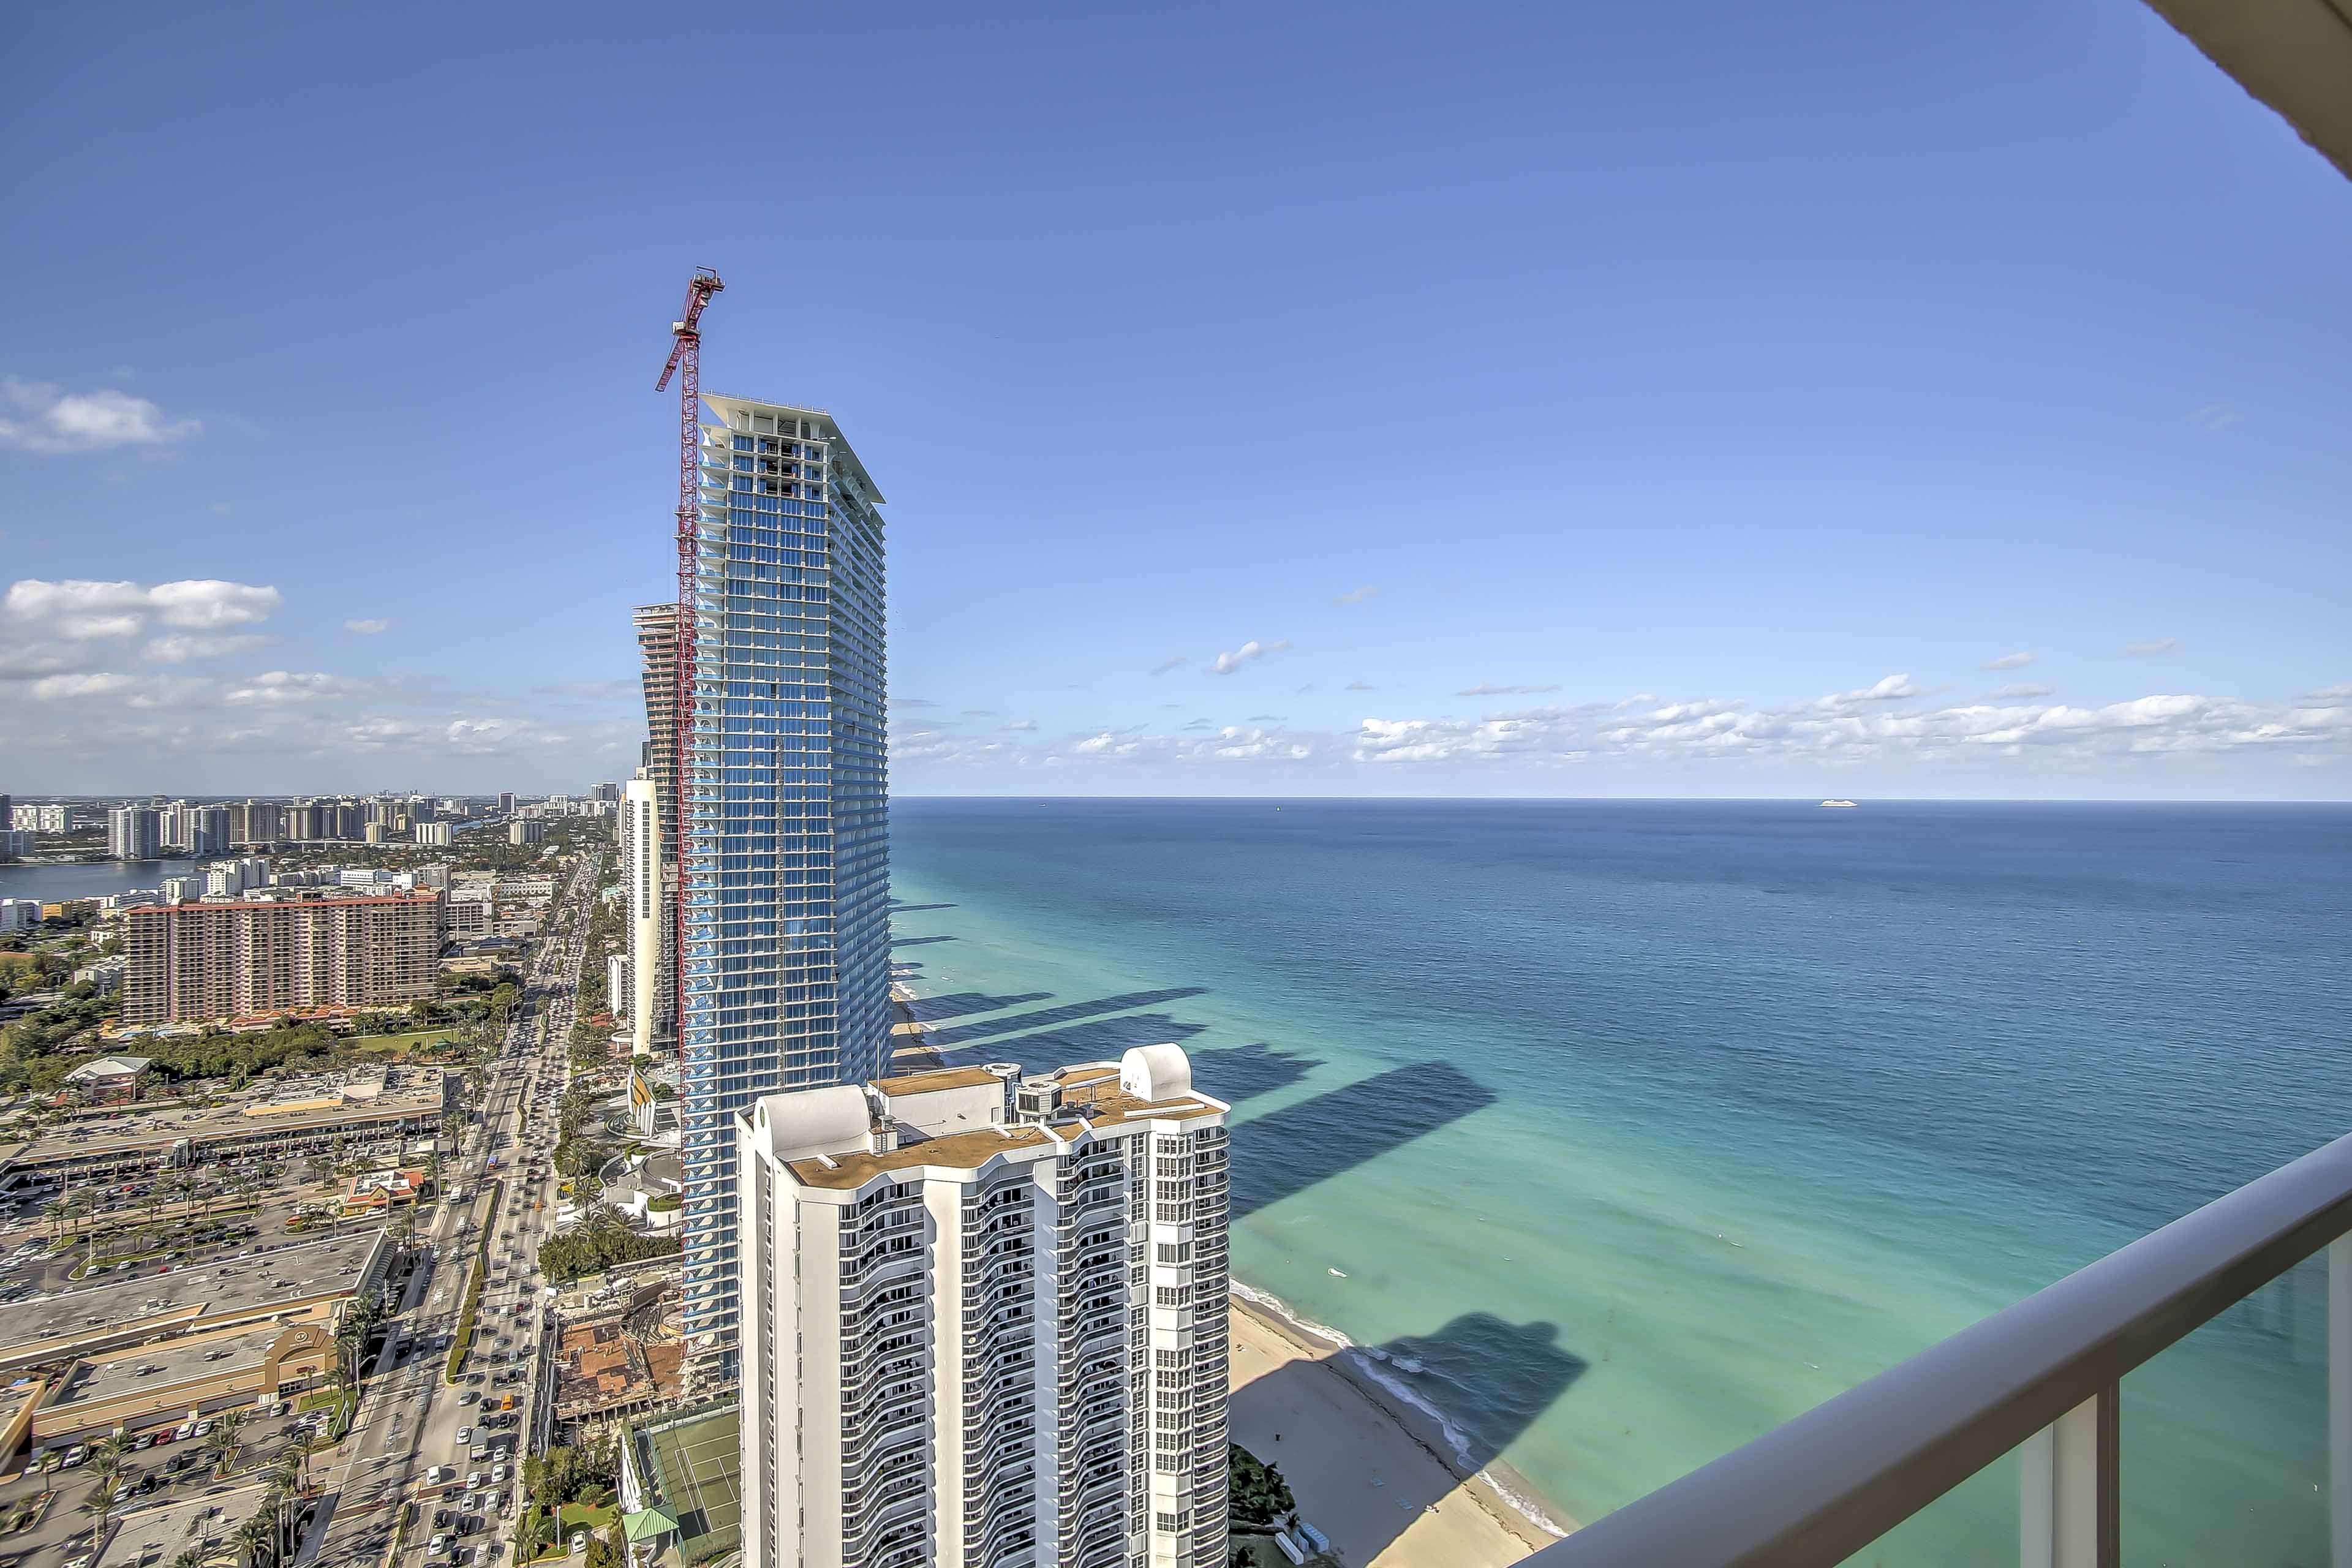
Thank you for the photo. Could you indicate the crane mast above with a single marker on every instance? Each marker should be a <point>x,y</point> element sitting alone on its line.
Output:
<point>686,361</point>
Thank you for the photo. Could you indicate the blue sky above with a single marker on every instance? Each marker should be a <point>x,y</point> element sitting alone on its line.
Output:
<point>1736,383</point>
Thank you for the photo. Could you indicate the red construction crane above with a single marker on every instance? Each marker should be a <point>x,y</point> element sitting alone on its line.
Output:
<point>686,358</point>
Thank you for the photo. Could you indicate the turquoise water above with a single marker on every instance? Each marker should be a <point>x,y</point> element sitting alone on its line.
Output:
<point>1619,1133</point>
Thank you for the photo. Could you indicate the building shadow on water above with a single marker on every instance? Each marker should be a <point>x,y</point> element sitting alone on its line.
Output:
<point>898,909</point>
<point>1097,1040</point>
<point>1285,1151</point>
<point>956,1003</point>
<point>897,942</point>
<point>1236,1073</point>
<point>1492,1378</point>
<point>1049,1018</point>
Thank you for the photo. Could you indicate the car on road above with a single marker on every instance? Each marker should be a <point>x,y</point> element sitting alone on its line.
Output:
<point>467,1397</point>
<point>186,1430</point>
<point>437,1545</point>
<point>464,1433</point>
<point>74,1456</point>
<point>498,1475</point>
<point>203,1429</point>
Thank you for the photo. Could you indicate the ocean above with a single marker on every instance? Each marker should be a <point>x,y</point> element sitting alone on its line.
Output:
<point>1618,1133</point>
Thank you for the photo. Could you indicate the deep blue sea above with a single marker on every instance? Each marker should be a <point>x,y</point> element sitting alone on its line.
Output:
<point>1620,1132</point>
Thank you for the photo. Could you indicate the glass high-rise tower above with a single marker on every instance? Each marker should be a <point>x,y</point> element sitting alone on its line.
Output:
<point>785,856</point>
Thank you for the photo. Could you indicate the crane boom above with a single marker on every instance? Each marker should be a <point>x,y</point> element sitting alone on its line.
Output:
<point>686,361</point>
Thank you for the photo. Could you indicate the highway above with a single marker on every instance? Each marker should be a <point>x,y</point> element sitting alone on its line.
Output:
<point>409,1415</point>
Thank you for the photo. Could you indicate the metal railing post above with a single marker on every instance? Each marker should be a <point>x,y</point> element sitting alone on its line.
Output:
<point>2066,1503</point>
<point>2339,1401</point>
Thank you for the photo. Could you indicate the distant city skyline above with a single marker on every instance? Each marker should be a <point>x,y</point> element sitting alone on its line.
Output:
<point>1940,403</point>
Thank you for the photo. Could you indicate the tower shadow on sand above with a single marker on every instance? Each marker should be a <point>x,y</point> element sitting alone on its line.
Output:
<point>1491,1377</point>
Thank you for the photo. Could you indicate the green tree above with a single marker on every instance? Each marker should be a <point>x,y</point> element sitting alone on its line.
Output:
<point>221,1442</point>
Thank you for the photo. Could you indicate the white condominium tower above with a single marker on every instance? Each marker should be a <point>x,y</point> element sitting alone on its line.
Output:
<point>646,970</point>
<point>984,1320</point>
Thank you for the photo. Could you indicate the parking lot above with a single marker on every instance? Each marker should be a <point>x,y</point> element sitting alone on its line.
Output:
<point>165,1468</point>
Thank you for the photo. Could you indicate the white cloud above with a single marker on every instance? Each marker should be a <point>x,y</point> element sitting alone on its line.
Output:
<point>281,685</point>
<point>57,688</point>
<point>1894,689</point>
<point>367,628</point>
<point>1229,662</point>
<point>1171,662</point>
<point>2011,693</point>
<point>1268,719</point>
<point>2149,649</point>
<point>182,646</point>
<point>1361,685</point>
<point>83,610</point>
<point>1483,689</point>
<point>1356,595</point>
<point>2010,660</point>
<point>58,421</point>
<point>2215,416</point>
<point>912,702</point>
<point>1020,724</point>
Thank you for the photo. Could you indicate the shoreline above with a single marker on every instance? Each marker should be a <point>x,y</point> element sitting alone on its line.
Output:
<point>1488,1516</point>
<point>1511,1505</point>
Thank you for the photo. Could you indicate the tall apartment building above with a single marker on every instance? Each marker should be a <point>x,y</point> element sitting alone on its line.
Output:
<point>41,818</point>
<point>521,833</point>
<point>434,832</point>
<point>784,869</point>
<point>649,972</point>
<point>506,800</point>
<point>133,833</point>
<point>657,626</point>
<point>192,961</point>
<point>255,822</point>
<point>198,830</point>
<point>984,1320</point>
<point>15,843</point>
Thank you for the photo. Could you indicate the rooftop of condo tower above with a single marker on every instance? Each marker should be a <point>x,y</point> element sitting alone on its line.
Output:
<point>959,1119</point>
<point>752,410</point>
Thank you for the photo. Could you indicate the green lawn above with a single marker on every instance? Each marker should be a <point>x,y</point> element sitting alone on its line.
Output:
<point>402,1045</point>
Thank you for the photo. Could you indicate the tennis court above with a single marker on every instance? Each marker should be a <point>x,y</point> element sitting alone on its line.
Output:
<point>692,1463</point>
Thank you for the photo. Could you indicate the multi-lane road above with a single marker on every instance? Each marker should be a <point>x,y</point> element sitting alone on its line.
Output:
<point>410,1416</point>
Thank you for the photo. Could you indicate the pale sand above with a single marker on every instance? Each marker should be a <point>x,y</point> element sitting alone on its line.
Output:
<point>1368,1469</point>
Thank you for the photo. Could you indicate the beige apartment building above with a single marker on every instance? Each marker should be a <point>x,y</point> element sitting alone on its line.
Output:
<point>195,961</point>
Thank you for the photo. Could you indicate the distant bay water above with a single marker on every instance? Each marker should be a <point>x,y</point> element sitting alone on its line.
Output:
<point>1619,1132</point>
<point>51,881</point>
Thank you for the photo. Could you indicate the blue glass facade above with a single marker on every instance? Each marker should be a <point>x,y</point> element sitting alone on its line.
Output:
<point>786,863</point>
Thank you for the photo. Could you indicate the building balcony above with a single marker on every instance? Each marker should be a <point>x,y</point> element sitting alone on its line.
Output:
<point>2039,1386</point>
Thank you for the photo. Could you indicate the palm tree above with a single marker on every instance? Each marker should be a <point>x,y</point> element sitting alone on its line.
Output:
<point>222,1440</point>
<point>99,1505</point>
<point>193,1557</point>
<point>256,1540</point>
<point>109,1449</point>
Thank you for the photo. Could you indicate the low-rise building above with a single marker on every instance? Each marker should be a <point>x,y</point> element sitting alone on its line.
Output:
<point>310,1281</point>
<point>112,1080</point>
<point>373,1111</point>
<point>179,1379</point>
<point>19,914</point>
<point>377,1191</point>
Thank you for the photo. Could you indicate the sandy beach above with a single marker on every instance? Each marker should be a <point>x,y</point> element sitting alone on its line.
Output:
<point>1368,1469</point>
